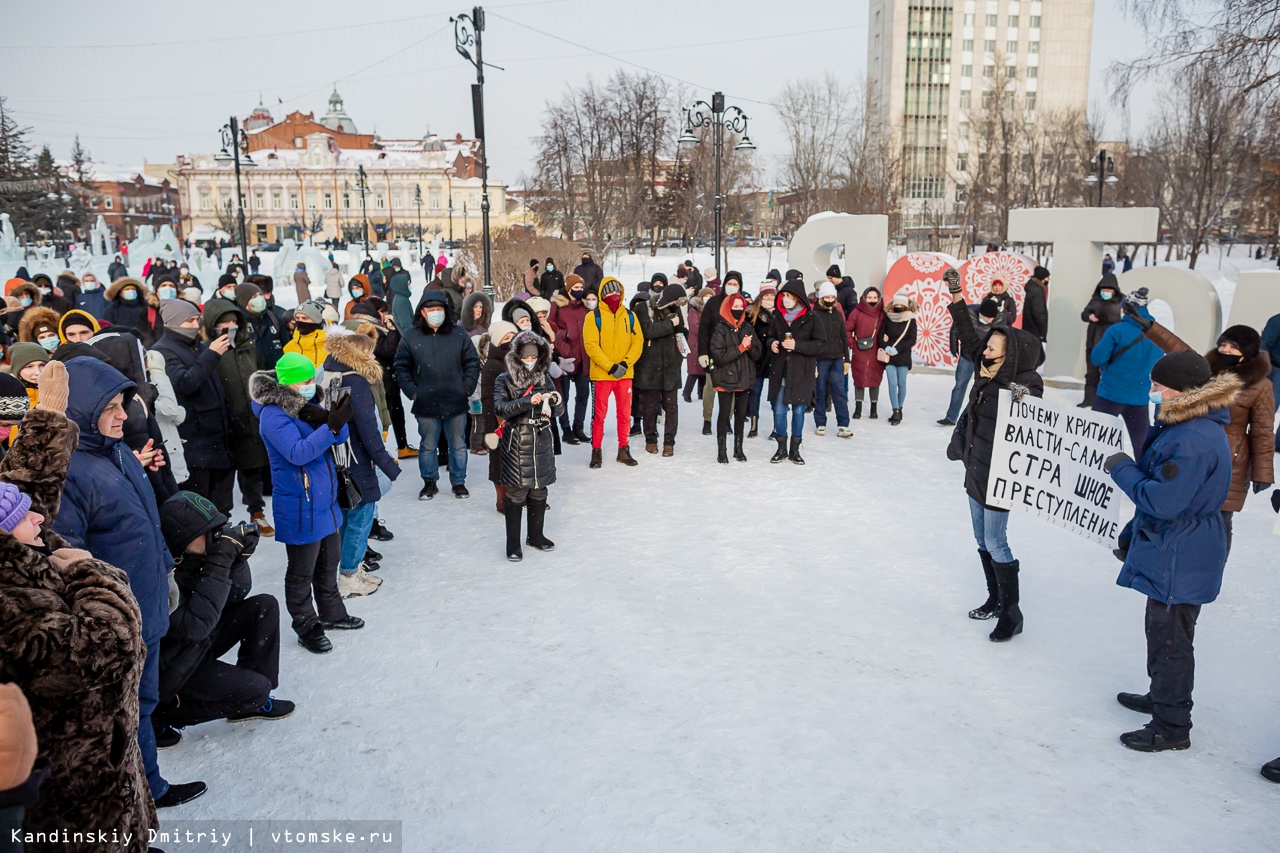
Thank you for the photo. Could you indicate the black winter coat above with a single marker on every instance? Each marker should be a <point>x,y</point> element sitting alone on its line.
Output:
<point>761,326</point>
<point>828,328</point>
<point>733,368</point>
<point>1008,308</point>
<point>797,367</point>
<point>193,370</point>
<point>527,450</point>
<point>846,295</point>
<point>551,283</point>
<point>1107,311</point>
<point>974,436</point>
<point>438,369</point>
<point>658,367</point>
<point>234,369</point>
<point>890,333</point>
<point>268,337</point>
<point>494,366</point>
<point>1035,309</point>
<point>710,319</point>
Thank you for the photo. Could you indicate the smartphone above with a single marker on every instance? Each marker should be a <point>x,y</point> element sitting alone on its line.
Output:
<point>339,397</point>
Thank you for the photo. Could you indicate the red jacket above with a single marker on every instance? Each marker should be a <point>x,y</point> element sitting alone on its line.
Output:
<point>567,317</point>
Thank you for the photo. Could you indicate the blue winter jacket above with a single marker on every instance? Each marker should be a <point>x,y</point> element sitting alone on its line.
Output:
<point>108,507</point>
<point>1127,379</point>
<point>1177,542</point>
<point>304,483</point>
<point>1271,341</point>
<point>93,301</point>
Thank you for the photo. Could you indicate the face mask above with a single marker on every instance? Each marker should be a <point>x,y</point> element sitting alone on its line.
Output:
<point>90,285</point>
<point>551,268</point>
<point>1105,296</point>
<point>576,293</point>
<point>737,313</point>
<point>189,334</point>
<point>987,362</point>
<point>436,318</point>
<point>25,301</point>
<point>183,270</point>
<point>1156,397</point>
<point>614,301</point>
<point>873,302</point>
<point>307,391</point>
<point>306,328</point>
<point>228,293</point>
<point>357,292</point>
<point>828,302</point>
<point>49,344</point>
<point>228,332</point>
<point>529,363</point>
<point>129,296</point>
<point>788,302</point>
<point>986,321</point>
<point>591,302</point>
<point>523,324</point>
<point>44,291</point>
<point>258,304</point>
<point>1230,360</point>
<point>731,289</point>
<point>167,293</point>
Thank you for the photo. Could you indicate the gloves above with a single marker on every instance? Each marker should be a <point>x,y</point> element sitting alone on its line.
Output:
<point>340,415</point>
<point>1275,500</point>
<point>567,364</point>
<point>554,371</point>
<point>226,544</point>
<point>619,370</point>
<point>250,535</point>
<point>1114,460</point>
<point>313,414</point>
<point>1131,310</point>
<point>952,278</point>
<point>53,388</point>
<point>703,361</point>
<point>891,350</point>
<point>1261,487</point>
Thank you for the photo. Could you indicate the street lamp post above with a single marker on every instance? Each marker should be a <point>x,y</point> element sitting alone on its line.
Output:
<point>1102,171</point>
<point>450,215</point>
<point>417,202</point>
<point>468,30</point>
<point>718,116</point>
<point>362,187</point>
<point>235,139</point>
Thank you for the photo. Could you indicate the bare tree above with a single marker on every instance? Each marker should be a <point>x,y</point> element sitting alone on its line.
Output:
<point>817,117</point>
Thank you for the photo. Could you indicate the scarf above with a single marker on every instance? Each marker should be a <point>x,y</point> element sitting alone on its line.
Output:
<point>990,372</point>
<point>791,315</point>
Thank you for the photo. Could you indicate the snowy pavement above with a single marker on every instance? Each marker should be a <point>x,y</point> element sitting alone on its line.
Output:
<point>754,657</point>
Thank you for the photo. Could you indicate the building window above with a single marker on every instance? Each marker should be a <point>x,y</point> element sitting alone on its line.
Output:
<point>346,200</point>
<point>206,200</point>
<point>435,199</point>
<point>259,199</point>
<point>986,100</point>
<point>473,199</point>
<point>1012,47</point>
<point>1031,100</point>
<point>379,201</point>
<point>991,20</point>
<point>328,201</point>
<point>1013,22</point>
<point>968,44</point>
<point>989,45</point>
<point>311,200</point>
<point>964,130</point>
<point>297,142</point>
<point>395,200</point>
<point>1035,22</point>
<point>965,99</point>
<point>962,162</point>
<point>968,19</point>
<point>988,71</point>
<point>108,203</point>
<point>294,201</point>
<point>1033,72</point>
<point>1033,47</point>
<point>966,70</point>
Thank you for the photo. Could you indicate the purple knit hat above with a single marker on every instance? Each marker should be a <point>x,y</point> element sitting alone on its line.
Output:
<point>13,506</point>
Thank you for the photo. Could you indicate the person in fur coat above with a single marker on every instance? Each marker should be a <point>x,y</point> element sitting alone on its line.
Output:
<point>527,402</point>
<point>72,638</point>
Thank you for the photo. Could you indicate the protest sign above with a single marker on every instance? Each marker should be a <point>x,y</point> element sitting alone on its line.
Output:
<point>1047,462</point>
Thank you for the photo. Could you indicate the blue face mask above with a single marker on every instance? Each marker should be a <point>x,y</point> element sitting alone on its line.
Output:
<point>129,296</point>
<point>49,344</point>
<point>167,293</point>
<point>1156,397</point>
<point>307,391</point>
<point>1106,297</point>
<point>25,301</point>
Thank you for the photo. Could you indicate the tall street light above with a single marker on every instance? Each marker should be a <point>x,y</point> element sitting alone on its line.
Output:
<point>1102,171</point>
<point>417,202</point>
<point>718,116</point>
<point>467,31</point>
<point>235,149</point>
<point>362,187</point>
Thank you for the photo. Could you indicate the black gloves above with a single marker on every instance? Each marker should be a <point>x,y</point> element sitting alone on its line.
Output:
<point>226,544</point>
<point>1261,487</point>
<point>313,414</point>
<point>619,370</point>
<point>952,278</point>
<point>340,415</point>
<point>1113,460</point>
<point>249,535</point>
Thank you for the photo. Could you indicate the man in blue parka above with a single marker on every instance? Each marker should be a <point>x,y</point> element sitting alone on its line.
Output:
<point>109,509</point>
<point>1175,547</point>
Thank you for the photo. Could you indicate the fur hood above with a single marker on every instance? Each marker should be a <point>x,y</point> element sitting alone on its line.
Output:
<point>121,283</point>
<point>67,277</point>
<point>29,290</point>
<point>356,352</point>
<point>520,375</point>
<point>265,390</point>
<point>36,317</point>
<point>1254,370</point>
<point>560,299</point>
<point>1218,393</point>
<point>468,307</point>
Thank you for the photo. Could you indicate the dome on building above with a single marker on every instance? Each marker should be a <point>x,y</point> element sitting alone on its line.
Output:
<point>259,118</point>
<point>337,118</point>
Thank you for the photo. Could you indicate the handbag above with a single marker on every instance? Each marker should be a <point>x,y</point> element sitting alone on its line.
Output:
<point>350,495</point>
<point>882,356</point>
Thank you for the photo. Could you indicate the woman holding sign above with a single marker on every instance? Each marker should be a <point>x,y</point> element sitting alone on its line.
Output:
<point>1009,358</point>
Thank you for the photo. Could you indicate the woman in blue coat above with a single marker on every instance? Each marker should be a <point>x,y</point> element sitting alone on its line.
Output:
<point>298,433</point>
<point>1175,547</point>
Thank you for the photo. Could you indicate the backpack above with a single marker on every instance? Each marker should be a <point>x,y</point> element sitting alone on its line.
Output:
<point>631,320</point>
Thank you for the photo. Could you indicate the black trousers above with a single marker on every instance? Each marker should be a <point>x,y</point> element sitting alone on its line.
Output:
<point>216,689</point>
<point>735,403</point>
<point>580,383</point>
<point>313,567</point>
<point>650,402</point>
<point>395,406</point>
<point>251,485</point>
<point>216,484</point>
<point>1226,520</point>
<point>1171,663</point>
<point>695,383</point>
<point>1092,376</point>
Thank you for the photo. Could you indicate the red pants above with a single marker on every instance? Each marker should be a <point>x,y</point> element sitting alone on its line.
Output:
<point>620,390</point>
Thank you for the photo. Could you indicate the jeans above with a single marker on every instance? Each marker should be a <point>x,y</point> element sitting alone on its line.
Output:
<point>831,378</point>
<point>356,524</point>
<point>580,382</point>
<point>990,527</point>
<point>757,391</point>
<point>1137,420</point>
<point>454,428</point>
<point>897,376</point>
<point>780,414</point>
<point>964,372</point>
<point>1171,664</point>
<point>148,698</point>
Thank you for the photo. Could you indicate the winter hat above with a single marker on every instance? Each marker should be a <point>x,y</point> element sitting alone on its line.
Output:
<point>706,293</point>
<point>225,279</point>
<point>331,314</point>
<point>14,401</point>
<point>671,294</point>
<point>1139,297</point>
<point>833,271</point>
<point>774,275</point>
<point>245,293</point>
<point>1181,370</point>
<point>794,274</point>
<point>990,308</point>
<point>644,287</point>
<point>826,289</point>
<point>572,279</point>
<point>766,289</point>
<point>537,304</point>
<point>43,326</point>
<point>499,329</point>
<point>900,298</point>
<point>1040,273</point>
<point>1246,339</point>
<point>175,312</point>
<point>610,285</point>
<point>528,347</point>
<point>13,506</point>
<point>77,318</point>
<point>733,275</point>
<point>21,355</point>
<point>309,312</point>
<point>441,264</point>
<point>185,517</point>
<point>365,309</point>
<point>294,367</point>
<point>681,272</point>
<point>658,278</point>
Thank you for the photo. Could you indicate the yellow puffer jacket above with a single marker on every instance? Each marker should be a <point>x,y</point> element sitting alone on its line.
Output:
<point>618,338</point>
<point>313,346</point>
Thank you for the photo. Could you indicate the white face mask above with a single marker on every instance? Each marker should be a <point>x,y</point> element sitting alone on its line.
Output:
<point>530,363</point>
<point>731,289</point>
<point>435,318</point>
<point>591,302</point>
<point>523,323</point>
<point>167,293</point>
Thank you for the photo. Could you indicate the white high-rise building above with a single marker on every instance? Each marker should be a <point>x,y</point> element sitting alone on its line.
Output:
<point>932,66</point>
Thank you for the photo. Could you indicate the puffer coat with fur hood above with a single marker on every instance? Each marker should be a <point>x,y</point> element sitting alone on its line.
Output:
<point>527,449</point>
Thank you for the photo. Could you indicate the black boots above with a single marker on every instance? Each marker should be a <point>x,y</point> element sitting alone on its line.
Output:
<point>781,453</point>
<point>595,457</point>
<point>857,410</point>
<point>896,417</point>
<point>737,446</point>
<point>1009,624</point>
<point>722,453</point>
<point>537,514</point>
<point>514,513</point>
<point>990,608</point>
<point>755,428</point>
<point>873,414</point>
<point>794,455</point>
<point>624,456</point>
<point>706,427</point>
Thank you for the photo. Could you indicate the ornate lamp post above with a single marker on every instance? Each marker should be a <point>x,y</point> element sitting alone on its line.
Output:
<point>362,187</point>
<point>467,31</point>
<point>417,202</point>
<point>1102,171</point>
<point>237,141</point>
<point>718,117</point>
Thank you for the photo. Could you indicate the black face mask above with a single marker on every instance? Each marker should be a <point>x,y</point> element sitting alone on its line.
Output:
<point>306,328</point>
<point>987,362</point>
<point>1230,360</point>
<point>738,313</point>
<point>577,293</point>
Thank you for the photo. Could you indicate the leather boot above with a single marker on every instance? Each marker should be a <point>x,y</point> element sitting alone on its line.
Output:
<point>651,447</point>
<point>595,457</point>
<point>737,447</point>
<point>537,514</point>
<point>990,608</point>
<point>896,417</point>
<point>1009,624</point>
<point>722,453</point>
<point>755,428</point>
<point>873,414</point>
<point>624,456</point>
<point>706,427</point>
<point>794,455</point>
<point>857,410</point>
<point>514,513</point>
<point>781,454</point>
<point>502,496</point>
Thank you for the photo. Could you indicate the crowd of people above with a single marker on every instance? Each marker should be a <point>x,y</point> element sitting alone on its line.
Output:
<point>134,410</point>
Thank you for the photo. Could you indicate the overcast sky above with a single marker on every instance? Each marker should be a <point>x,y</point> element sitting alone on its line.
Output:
<point>145,81</point>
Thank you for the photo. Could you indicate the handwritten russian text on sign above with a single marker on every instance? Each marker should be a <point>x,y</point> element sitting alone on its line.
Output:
<point>1047,462</point>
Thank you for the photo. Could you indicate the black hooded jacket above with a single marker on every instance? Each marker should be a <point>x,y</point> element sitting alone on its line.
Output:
<point>437,368</point>
<point>658,368</point>
<point>799,366</point>
<point>1107,311</point>
<point>1035,309</point>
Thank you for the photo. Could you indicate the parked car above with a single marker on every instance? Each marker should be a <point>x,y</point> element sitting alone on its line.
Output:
<point>673,243</point>
<point>451,245</point>
<point>267,247</point>
<point>778,240</point>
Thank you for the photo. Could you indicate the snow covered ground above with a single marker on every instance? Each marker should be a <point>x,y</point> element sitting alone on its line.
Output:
<point>754,657</point>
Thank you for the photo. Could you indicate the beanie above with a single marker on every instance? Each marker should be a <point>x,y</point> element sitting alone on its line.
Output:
<point>658,278</point>
<point>826,289</point>
<point>794,274</point>
<point>1245,338</point>
<point>331,314</point>
<point>833,271</point>
<point>14,401</point>
<point>1040,273</point>
<point>644,287</point>
<point>682,272</point>
<point>499,329</point>
<point>537,304</point>
<point>733,275</point>
<point>528,347</point>
<point>225,279</point>
<point>1139,297</point>
<point>13,506</point>
<point>185,517</point>
<point>774,276</point>
<point>766,289</point>
<point>572,279</point>
<point>245,292</point>
<point>671,294</point>
<point>293,368</point>
<point>21,355</point>
<point>175,312</point>
<point>990,308</point>
<point>610,285</point>
<point>1181,370</point>
<point>309,312</point>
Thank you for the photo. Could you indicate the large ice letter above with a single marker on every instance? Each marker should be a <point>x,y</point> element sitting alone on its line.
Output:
<point>865,237</point>
<point>1077,235</point>
<point>1257,299</point>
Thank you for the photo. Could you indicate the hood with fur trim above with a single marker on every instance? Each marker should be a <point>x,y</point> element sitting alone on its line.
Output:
<point>121,283</point>
<point>1216,394</point>
<point>469,307</point>
<point>26,289</point>
<point>520,374</point>
<point>266,390</point>
<point>1250,371</point>
<point>36,317</point>
<point>355,351</point>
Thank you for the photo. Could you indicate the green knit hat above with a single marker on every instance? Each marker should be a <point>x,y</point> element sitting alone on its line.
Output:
<point>294,367</point>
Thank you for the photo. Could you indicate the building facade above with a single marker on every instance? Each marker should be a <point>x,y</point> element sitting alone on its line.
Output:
<point>321,180</point>
<point>935,69</point>
<point>129,200</point>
